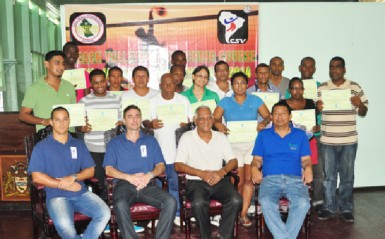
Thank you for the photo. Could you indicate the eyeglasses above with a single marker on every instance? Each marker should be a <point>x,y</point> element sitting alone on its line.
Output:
<point>202,77</point>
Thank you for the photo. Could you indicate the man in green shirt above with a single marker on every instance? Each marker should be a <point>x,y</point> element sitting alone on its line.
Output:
<point>48,91</point>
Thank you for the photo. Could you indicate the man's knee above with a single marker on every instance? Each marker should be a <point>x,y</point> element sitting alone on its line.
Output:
<point>200,203</point>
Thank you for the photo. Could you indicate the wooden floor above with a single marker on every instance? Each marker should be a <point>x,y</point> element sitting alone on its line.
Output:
<point>369,222</point>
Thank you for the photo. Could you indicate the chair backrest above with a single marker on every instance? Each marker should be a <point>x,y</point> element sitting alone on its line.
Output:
<point>121,129</point>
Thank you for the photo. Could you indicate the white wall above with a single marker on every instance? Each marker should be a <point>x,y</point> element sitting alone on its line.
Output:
<point>354,31</point>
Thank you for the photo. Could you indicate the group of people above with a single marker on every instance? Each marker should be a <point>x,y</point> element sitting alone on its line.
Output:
<point>282,159</point>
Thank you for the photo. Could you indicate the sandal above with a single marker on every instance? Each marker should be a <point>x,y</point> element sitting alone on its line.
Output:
<point>245,221</point>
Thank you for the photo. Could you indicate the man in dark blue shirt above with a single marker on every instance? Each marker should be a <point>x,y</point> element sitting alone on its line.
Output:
<point>134,159</point>
<point>62,163</point>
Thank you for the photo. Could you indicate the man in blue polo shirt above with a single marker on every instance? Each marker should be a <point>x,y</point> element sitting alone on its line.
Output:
<point>286,169</point>
<point>133,159</point>
<point>62,163</point>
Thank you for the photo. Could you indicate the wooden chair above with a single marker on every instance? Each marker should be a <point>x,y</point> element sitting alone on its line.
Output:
<point>284,210</point>
<point>139,211</point>
<point>40,218</point>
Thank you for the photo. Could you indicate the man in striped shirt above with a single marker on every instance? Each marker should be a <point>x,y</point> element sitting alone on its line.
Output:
<point>339,142</point>
<point>98,99</point>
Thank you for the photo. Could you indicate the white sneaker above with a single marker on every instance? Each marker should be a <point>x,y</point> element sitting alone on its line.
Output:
<point>192,219</point>
<point>177,221</point>
<point>149,223</point>
<point>215,220</point>
<point>251,210</point>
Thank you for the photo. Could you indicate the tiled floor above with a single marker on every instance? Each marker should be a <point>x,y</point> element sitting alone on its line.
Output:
<point>369,222</point>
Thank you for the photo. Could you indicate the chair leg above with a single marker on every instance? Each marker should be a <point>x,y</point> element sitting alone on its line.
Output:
<point>307,225</point>
<point>188,228</point>
<point>259,225</point>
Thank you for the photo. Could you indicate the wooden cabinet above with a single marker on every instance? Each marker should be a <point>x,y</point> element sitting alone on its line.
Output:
<point>14,178</point>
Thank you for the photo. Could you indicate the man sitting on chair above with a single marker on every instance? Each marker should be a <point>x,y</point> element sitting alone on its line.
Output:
<point>281,151</point>
<point>135,158</point>
<point>62,163</point>
<point>200,155</point>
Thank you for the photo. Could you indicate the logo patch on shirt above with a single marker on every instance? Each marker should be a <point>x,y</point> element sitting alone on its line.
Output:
<point>143,151</point>
<point>293,146</point>
<point>74,153</point>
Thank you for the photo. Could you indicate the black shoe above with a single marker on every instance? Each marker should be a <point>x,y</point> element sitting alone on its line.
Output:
<point>325,215</point>
<point>318,208</point>
<point>347,217</point>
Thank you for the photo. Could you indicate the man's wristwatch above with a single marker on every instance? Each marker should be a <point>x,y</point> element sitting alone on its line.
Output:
<point>75,177</point>
<point>152,175</point>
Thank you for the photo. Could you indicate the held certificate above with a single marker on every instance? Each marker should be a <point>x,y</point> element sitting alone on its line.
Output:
<point>118,93</point>
<point>242,131</point>
<point>210,103</point>
<point>305,118</point>
<point>310,91</point>
<point>102,119</point>
<point>269,98</point>
<point>76,77</point>
<point>336,100</point>
<point>143,104</point>
<point>77,113</point>
<point>171,114</point>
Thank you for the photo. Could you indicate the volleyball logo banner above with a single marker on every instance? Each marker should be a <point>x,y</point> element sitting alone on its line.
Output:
<point>147,35</point>
<point>232,27</point>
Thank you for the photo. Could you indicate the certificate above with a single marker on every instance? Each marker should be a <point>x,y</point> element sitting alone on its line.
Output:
<point>75,77</point>
<point>188,82</point>
<point>172,114</point>
<point>77,113</point>
<point>269,98</point>
<point>336,100</point>
<point>102,119</point>
<point>143,104</point>
<point>305,118</point>
<point>210,103</point>
<point>242,131</point>
<point>310,91</point>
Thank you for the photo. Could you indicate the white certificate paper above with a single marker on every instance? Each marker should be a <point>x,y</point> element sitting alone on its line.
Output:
<point>76,77</point>
<point>242,131</point>
<point>209,103</point>
<point>310,91</point>
<point>143,104</point>
<point>336,100</point>
<point>77,113</point>
<point>102,119</point>
<point>269,98</point>
<point>305,118</point>
<point>172,114</point>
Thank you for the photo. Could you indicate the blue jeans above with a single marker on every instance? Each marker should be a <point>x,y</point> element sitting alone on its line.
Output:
<point>338,160</point>
<point>125,195</point>
<point>61,210</point>
<point>274,187</point>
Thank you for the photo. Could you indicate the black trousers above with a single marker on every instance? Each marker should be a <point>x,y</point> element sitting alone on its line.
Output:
<point>100,173</point>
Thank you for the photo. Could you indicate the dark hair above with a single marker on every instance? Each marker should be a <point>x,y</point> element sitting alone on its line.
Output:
<point>260,65</point>
<point>239,74</point>
<point>308,58</point>
<point>51,54</point>
<point>220,63</point>
<point>130,107</point>
<point>96,72</point>
<point>201,67</point>
<point>294,79</point>
<point>59,108</point>
<point>281,103</point>
<point>177,52</point>
<point>68,45</point>
<point>115,68</point>
<point>175,66</point>
<point>276,57</point>
<point>338,58</point>
<point>140,68</point>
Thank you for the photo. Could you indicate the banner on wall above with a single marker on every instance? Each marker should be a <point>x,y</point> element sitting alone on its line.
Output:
<point>128,35</point>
